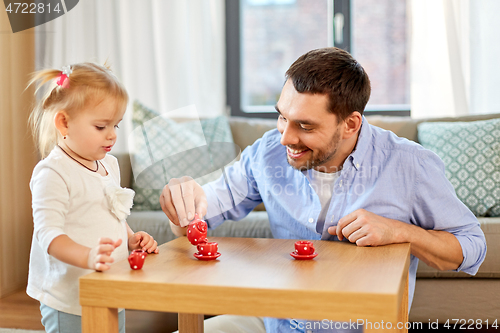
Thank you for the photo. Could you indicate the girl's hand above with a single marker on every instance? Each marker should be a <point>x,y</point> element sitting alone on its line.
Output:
<point>100,256</point>
<point>143,241</point>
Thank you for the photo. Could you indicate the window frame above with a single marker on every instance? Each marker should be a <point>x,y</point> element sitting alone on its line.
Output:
<point>233,62</point>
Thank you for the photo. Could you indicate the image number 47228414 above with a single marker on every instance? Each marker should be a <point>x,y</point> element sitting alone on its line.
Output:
<point>26,14</point>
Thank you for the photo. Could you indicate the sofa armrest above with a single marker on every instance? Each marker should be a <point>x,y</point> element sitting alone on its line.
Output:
<point>125,169</point>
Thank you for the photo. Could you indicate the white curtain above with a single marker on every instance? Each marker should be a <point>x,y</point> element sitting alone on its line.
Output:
<point>169,54</point>
<point>454,56</point>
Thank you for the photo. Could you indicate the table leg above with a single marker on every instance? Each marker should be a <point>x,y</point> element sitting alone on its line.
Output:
<point>99,320</point>
<point>402,316</point>
<point>403,311</point>
<point>190,322</point>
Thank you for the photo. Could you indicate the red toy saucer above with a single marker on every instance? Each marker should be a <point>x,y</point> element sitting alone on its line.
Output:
<point>304,256</point>
<point>199,256</point>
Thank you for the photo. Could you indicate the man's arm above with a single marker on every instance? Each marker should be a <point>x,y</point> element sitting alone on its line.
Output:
<point>442,231</point>
<point>438,249</point>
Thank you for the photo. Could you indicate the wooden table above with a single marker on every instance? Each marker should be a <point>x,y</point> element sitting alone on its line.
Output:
<point>255,277</point>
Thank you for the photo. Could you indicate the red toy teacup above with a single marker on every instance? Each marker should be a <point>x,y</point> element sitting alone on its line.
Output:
<point>136,259</point>
<point>208,249</point>
<point>197,231</point>
<point>304,248</point>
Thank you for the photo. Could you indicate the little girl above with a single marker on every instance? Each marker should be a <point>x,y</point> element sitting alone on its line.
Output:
<point>79,208</point>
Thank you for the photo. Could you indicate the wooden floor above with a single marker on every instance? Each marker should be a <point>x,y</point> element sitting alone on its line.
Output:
<point>21,311</point>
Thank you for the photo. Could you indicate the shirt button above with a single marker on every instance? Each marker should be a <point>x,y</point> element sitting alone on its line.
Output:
<point>311,220</point>
<point>340,183</point>
<point>357,165</point>
<point>332,218</point>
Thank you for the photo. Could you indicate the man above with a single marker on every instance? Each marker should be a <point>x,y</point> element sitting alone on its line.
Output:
<point>325,173</point>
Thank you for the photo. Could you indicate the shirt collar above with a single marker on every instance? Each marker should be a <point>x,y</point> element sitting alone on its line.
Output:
<point>364,139</point>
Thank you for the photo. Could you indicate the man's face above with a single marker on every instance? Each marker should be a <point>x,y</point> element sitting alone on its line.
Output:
<point>309,131</point>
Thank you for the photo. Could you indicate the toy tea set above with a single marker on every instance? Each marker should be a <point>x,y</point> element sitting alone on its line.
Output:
<point>197,235</point>
<point>136,259</point>
<point>304,250</point>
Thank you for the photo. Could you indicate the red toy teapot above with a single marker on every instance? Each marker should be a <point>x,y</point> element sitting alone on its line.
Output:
<point>136,259</point>
<point>197,231</point>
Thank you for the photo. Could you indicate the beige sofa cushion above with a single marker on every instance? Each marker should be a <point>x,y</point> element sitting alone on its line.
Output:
<point>406,127</point>
<point>247,130</point>
<point>448,299</point>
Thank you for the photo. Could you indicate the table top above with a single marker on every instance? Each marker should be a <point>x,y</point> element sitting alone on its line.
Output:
<point>258,277</point>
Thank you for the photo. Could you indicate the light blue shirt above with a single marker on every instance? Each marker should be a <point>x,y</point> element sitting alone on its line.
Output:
<point>385,174</point>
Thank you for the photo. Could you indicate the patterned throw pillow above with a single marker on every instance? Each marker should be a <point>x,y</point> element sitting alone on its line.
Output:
<point>471,154</point>
<point>162,149</point>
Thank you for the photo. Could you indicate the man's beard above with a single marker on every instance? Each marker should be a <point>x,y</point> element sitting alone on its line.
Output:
<point>321,158</point>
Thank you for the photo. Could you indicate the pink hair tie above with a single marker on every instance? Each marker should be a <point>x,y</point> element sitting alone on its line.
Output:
<point>62,81</point>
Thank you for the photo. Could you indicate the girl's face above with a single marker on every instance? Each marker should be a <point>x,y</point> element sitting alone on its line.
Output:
<point>91,133</point>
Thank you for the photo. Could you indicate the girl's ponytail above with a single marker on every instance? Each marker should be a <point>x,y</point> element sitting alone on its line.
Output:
<point>70,90</point>
<point>41,119</point>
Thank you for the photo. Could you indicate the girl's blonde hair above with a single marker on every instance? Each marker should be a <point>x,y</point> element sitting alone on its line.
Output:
<point>88,83</point>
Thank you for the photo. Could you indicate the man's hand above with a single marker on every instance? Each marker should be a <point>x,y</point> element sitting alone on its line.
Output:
<point>366,229</point>
<point>181,199</point>
<point>437,248</point>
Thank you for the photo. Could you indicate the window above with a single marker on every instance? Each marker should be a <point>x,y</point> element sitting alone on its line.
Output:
<point>264,37</point>
<point>379,41</point>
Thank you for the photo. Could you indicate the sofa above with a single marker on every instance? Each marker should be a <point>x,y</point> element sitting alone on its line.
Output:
<point>439,295</point>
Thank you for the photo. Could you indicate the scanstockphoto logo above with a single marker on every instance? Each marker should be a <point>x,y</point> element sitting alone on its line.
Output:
<point>29,14</point>
<point>161,148</point>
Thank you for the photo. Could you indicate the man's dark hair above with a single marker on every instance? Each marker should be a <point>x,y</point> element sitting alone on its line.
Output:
<point>335,72</point>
